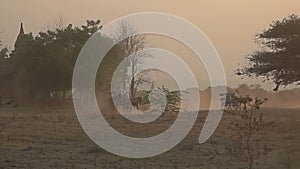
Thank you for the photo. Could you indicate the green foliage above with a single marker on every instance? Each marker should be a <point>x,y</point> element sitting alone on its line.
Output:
<point>173,99</point>
<point>47,60</point>
<point>279,58</point>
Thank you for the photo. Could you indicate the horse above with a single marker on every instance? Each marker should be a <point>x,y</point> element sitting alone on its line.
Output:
<point>259,102</point>
<point>244,101</point>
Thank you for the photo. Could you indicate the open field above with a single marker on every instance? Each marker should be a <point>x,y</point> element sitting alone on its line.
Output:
<point>52,138</point>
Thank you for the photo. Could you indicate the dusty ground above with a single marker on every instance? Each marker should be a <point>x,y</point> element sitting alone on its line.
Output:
<point>51,138</point>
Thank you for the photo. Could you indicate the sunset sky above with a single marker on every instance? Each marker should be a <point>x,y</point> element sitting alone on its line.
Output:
<point>231,25</point>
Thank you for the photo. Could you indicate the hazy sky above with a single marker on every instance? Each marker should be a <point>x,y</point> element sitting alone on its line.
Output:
<point>230,24</point>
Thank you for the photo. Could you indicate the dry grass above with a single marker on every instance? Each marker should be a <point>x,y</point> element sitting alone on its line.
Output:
<point>54,139</point>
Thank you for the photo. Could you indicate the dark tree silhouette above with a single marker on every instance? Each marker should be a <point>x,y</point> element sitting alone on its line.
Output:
<point>279,58</point>
<point>46,61</point>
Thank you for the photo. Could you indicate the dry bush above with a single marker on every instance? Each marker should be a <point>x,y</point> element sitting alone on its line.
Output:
<point>246,141</point>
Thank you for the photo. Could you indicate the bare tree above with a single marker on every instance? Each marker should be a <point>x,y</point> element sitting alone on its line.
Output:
<point>60,23</point>
<point>131,44</point>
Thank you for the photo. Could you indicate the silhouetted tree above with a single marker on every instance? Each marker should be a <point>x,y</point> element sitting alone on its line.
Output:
<point>46,61</point>
<point>279,58</point>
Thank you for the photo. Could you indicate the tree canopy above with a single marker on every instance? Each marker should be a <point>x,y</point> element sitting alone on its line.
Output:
<point>278,59</point>
<point>46,61</point>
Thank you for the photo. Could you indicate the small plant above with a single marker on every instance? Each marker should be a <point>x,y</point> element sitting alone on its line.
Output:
<point>173,98</point>
<point>247,138</point>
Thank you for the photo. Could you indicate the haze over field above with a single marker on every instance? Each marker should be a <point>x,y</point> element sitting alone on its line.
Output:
<point>139,108</point>
<point>231,25</point>
<point>289,99</point>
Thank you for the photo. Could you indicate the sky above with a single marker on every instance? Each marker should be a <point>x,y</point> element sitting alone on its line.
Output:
<point>231,25</point>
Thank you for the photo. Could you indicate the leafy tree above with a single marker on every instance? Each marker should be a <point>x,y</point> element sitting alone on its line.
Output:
<point>279,58</point>
<point>46,61</point>
<point>173,99</point>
